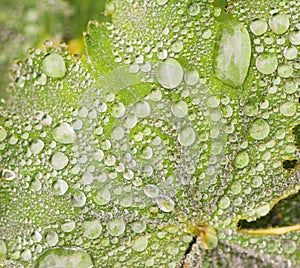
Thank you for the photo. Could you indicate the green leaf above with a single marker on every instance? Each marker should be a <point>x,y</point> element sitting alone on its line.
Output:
<point>137,156</point>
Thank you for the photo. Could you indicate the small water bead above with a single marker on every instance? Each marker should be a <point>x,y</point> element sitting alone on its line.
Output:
<point>169,73</point>
<point>288,108</point>
<point>259,129</point>
<point>118,110</point>
<point>151,190</point>
<point>142,109</point>
<point>8,175</point>
<point>68,226</point>
<point>54,66</point>
<point>256,181</point>
<point>224,202</point>
<point>235,188</point>
<point>3,133</point>
<point>138,227</point>
<point>295,38</point>
<point>65,257</point>
<point>213,101</point>
<point>279,23</point>
<point>186,136</point>
<point>193,9</point>
<point>26,255</point>
<point>290,87</point>
<point>289,246</point>
<point>36,146</point>
<point>191,78</point>
<point>59,161</point>
<point>250,109</point>
<point>116,227</point>
<point>285,70</point>
<point>290,53</point>
<point>64,134</point>
<point>92,229</point>
<point>179,109</point>
<point>139,243</point>
<point>241,160</point>
<point>266,63</point>
<point>177,46</point>
<point>78,199</point>
<point>165,203</point>
<point>36,185</point>
<point>258,27</point>
<point>102,197</point>
<point>60,187</point>
<point>161,2</point>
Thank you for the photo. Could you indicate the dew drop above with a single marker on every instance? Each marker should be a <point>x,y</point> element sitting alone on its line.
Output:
<point>59,160</point>
<point>60,187</point>
<point>142,109</point>
<point>140,243</point>
<point>68,226</point>
<point>266,63</point>
<point>256,181</point>
<point>290,87</point>
<point>236,188</point>
<point>102,197</point>
<point>179,109</point>
<point>279,23</point>
<point>290,53</point>
<point>259,129</point>
<point>54,66</point>
<point>64,133</point>
<point>151,191</point>
<point>117,133</point>
<point>52,238</point>
<point>3,133</point>
<point>8,175</point>
<point>241,160</point>
<point>289,246</point>
<point>193,9</point>
<point>285,70</point>
<point>92,229</point>
<point>250,109</point>
<point>295,38</point>
<point>36,146</point>
<point>288,108</point>
<point>191,77</point>
<point>78,199</point>
<point>161,2</point>
<point>3,248</point>
<point>170,73</point>
<point>116,227</point>
<point>138,227</point>
<point>65,257</point>
<point>165,203</point>
<point>258,27</point>
<point>224,202</point>
<point>186,136</point>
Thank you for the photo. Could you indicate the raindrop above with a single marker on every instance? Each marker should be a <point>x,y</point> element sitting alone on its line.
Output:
<point>179,109</point>
<point>259,129</point>
<point>191,77</point>
<point>64,133</point>
<point>54,65</point>
<point>59,160</point>
<point>170,73</point>
<point>266,63</point>
<point>165,203</point>
<point>224,202</point>
<point>193,9</point>
<point>186,136</point>
<point>295,38</point>
<point>241,160</point>
<point>290,53</point>
<point>258,27</point>
<point>116,227</point>
<point>3,249</point>
<point>161,2</point>
<point>3,133</point>
<point>285,70</point>
<point>288,108</point>
<point>92,229</point>
<point>36,146</point>
<point>68,226</point>
<point>60,187</point>
<point>151,191</point>
<point>78,199</point>
<point>102,197</point>
<point>8,175</point>
<point>140,243</point>
<point>279,23</point>
<point>142,109</point>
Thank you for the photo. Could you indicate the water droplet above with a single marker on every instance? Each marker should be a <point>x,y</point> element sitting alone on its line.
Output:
<point>212,101</point>
<point>177,46</point>
<point>117,133</point>
<point>295,38</point>
<point>3,133</point>
<point>36,146</point>
<point>259,129</point>
<point>266,63</point>
<point>140,243</point>
<point>64,133</point>
<point>258,27</point>
<point>256,181</point>
<point>170,73</point>
<point>288,108</point>
<point>68,226</point>
<point>193,9</point>
<point>54,66</point>
<point>8,175</point>
<point>26,255</point>
<point>102,197</point>
<point>289,246</point>
<point>279,23</point>
<point>142,109</point>
<point>151,191</point>
<point>262,211</point>
<point>186,136</point>
<point>165,203</point>
<point>78,199</point>
<point>233,54</point>
<point>138,227</point>
<point>236,188</point>
<point>250,109</point>
<point>224,202</point>
<point>60,187</point>
<point>179,109</point>
<point>52,238</point>
<point>241,160</point>
<point>3,249</point>
<point>191,77</point>
<point>285,70</point>
<point>65,257</point>
<point>116,227</point>
<point>290,87</point>
<point>290,53</point>
<point>161,2</point>
<point>59,160</point>
<point>92,229</point>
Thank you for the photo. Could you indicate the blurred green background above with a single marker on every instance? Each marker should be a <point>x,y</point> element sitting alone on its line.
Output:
<point>27,24</point>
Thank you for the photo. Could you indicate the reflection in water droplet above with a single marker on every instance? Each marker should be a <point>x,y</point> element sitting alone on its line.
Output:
<point>170,73</point>
<point>54,66</point>
<point>259,129</point>
<point>266,63</point>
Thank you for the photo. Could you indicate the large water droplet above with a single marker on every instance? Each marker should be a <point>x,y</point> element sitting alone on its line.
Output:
<point>36,146</point>
<point>233,55</point>
<point>288,108</point>
<point>170,73</point>
<point>266,63</point>
<point>65,257</point>
<point>224,202</point>
<point>92,229</point>
<point>64,133</point>
<point>54,66</point>
<point>3,249</point>
<point>165,203</point>
<point>295,38</point>
<point>140,243</point>
<point>151,190</point>
<point>179,109</point>
<point>279,23</point>
<point>116,227</point>
<point>241,160</point>
<point>187,136</point>
<point>3,133</point>
<point>259,129</point>
<point>258,27</point>
<point>142,109</point>
<point>193,9</point>
<point>60,187</point>
<point>7,175</point>
<point>59,160</point>
<point>102,197</point>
